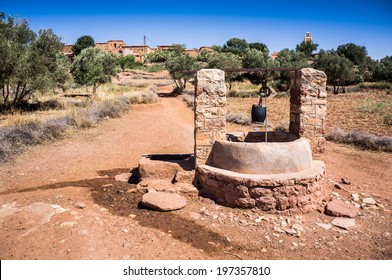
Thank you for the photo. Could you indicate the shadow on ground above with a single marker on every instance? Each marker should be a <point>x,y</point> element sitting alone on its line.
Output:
<point>114,196</point>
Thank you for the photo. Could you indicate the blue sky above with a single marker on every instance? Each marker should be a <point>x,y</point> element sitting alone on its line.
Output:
<point>278,24</point>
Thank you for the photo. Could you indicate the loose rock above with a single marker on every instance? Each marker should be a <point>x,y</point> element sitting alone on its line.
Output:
<point>344,223</point>
<point>355,197</point>
<point>162,201</point>
<point>369,200</point>
<point>80,205</point>
<point>346,181</point>
<point>324,226</point>
<point>339,208</point>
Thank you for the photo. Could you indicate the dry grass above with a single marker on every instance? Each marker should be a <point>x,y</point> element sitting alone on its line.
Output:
<point>344,111</point>
<point>21,130</point>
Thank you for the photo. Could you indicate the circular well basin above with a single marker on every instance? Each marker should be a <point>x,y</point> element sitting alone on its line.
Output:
<point>262,157</point>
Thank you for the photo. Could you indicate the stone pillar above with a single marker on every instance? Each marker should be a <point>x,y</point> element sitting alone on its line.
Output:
<point>210,112</point>
<point>308,106</point>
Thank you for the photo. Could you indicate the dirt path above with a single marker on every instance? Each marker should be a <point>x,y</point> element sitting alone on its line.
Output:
<point>117,143</point>
<point>60,201</point>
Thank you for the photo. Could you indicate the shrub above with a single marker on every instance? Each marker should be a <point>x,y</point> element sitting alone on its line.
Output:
<point>388,119</point>
<point>243,94</point>
<point>361,139</point>
<point>283,126</point>
<point>377,85</point>
<point>370,106</point>
<point>238,118</point>
<point>189,99</point>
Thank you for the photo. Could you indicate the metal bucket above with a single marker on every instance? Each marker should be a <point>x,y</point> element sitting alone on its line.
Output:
<point>259,113</point>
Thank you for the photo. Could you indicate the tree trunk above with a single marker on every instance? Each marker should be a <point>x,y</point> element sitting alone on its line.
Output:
<point>335,89</point>
<point>94,89</point>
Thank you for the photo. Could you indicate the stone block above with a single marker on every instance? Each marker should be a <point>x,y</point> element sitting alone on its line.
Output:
<point>339,208</point>
<point>184,176</point>
<point>266,203</point>
<point>157,170</point>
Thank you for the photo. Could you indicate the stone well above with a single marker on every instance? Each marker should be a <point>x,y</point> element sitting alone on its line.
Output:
<point>243,171</point>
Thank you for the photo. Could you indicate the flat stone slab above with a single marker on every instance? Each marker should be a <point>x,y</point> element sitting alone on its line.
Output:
<point>163,201</point>
<point>344,223</point>
<point>339,208</point>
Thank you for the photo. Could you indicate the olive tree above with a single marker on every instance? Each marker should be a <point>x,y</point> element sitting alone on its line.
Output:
<point>307,48</point>
<point>254,58</point>
<point>225,61</point>
<point>93,67</point>
<point>29,62</point>
<point>383,70</point>
<point>127,62</point>
<point>179,67</point>
<point>355,53</point>
<point>83,42</point>
<point>290,58</point>
<point>236,46</point>
<point>339,70</point>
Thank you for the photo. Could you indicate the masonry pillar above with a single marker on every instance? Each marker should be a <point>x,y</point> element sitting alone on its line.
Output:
<point>210,112</point>
<point>308,107</point>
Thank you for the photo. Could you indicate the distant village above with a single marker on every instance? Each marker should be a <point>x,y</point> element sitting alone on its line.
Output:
<point>119,47</point>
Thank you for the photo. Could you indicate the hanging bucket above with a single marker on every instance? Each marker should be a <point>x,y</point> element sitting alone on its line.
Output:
<point>259,113</point>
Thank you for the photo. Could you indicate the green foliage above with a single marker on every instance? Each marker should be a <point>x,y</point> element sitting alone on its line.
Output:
<point>225,61</point>
<point>127,62</point>
<point>306,48</point>
<point>155,67</point>
<point>204,56</point>
<point>254,58</point>
<point>236,46</point>
<point>387,119</point>
<point>61,75</point>
<point>162,56</point>
<point>290,58</point>
<point>217,48</point>
<point>371,106</point>
<point>339,70</point>
<point>157,56</point>
<point>29,62</point>
<point>94,67</point>
<point>82,43</point>
<point>259,46</point>
<point>178,67</point>
<point>383,70</point>
<point>356,54</point>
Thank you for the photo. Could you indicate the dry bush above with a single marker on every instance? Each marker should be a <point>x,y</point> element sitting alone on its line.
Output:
<point>284,125</point>
<point>238,118</point>
<point>26,130</point>
<point>189,99</point>
<point>361,139</point>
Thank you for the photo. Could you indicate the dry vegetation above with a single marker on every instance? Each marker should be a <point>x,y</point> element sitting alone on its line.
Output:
<point>56,116</point>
